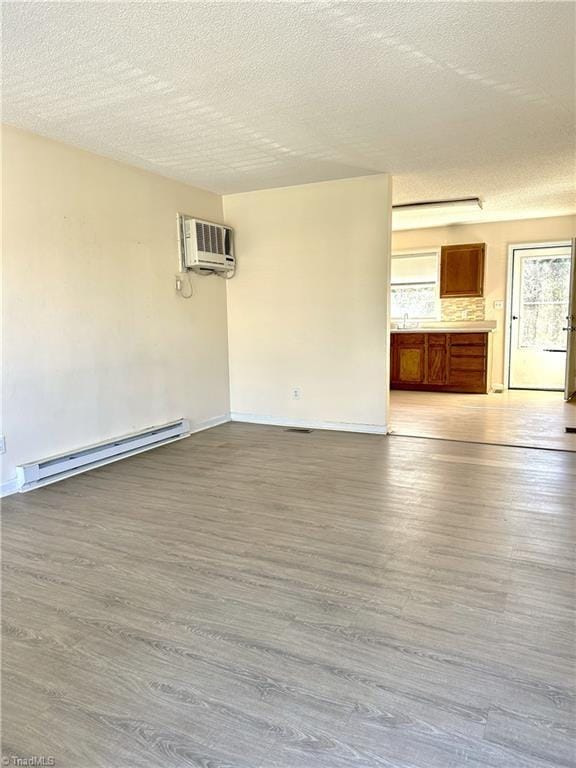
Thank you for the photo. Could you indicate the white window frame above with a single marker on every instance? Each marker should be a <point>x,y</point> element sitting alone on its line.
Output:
<point>407,253</point>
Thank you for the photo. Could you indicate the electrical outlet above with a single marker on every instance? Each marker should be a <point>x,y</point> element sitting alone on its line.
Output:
<point>183,285</point>
<point>498,304</point>
<point>296,393</point>
<point>2,444</point>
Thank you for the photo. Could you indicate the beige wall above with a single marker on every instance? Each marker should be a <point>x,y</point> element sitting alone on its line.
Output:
<point>308,307</point>
<point>96,341</point>
<point>497,236</point>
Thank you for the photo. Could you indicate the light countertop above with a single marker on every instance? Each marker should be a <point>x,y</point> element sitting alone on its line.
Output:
<point>487,326</point>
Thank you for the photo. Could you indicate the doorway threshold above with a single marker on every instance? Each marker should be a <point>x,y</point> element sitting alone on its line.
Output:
<point>394,433</point>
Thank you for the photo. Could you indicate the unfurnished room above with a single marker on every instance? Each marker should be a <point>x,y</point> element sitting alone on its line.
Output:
<point>288,439</point>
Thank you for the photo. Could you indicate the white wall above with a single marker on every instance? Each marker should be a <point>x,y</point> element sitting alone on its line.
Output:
<point>497,236</point>
<point>96,341</point>
<point>308,307</point>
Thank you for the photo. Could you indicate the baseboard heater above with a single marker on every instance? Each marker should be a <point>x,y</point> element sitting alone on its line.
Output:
<point>54,468</point>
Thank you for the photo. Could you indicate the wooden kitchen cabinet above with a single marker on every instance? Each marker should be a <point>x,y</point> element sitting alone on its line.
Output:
<point>409,358</point>
<point>440,362</point>
<point>468,362</point>
<point>462,270</point>
<point>437,358</point>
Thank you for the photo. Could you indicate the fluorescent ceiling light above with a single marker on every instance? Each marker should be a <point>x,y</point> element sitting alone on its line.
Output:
<point>465,204</point>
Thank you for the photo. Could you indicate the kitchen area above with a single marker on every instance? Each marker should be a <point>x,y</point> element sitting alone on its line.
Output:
<point>442,352</point>
<point>431,350</point>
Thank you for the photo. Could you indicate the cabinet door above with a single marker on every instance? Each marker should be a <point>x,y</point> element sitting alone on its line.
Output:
<point>437,368</point>
<point>408,365</point>
<point>393,356</point>
<point>462,270</point>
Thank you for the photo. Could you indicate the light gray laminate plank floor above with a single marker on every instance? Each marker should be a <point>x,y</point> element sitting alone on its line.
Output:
<point>515,417</point>
<point>255,598</point>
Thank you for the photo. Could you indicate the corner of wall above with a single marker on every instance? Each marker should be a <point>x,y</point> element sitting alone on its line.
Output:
<point>309,307</point>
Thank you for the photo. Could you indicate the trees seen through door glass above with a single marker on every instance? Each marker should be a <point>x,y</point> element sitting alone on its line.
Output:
<point>544,298</point>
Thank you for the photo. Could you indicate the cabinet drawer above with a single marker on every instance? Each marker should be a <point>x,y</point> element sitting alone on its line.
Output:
<point>409,339</point>
<point>467,363</point>
<point>477,351</point>
<point>437,339</point>
<point>468,381</point>
<point>463,339</point>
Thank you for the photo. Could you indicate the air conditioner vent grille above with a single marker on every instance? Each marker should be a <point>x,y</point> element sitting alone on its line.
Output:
<point>209,238</point>
<point>200,236</point>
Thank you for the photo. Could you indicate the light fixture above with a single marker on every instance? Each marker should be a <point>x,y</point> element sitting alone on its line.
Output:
<point>464,204</point>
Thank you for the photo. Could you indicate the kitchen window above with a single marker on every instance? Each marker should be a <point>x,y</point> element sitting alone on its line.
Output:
<point>414,286</point>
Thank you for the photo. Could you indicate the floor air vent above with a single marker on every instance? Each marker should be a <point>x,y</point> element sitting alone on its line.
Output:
<point>54,468</point>
<point>298,429</point>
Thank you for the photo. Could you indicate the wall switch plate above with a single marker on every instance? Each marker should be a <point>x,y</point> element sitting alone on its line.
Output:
<point>296,393</point>
<point>2,444</point>
<point>499,304</point>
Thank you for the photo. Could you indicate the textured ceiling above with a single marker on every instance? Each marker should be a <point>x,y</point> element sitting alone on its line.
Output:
<point>454,99</point>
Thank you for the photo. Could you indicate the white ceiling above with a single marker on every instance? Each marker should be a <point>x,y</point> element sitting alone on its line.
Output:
<point>454,99</point>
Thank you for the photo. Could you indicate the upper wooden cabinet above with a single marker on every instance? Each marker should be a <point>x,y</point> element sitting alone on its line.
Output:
<point>462,270</point>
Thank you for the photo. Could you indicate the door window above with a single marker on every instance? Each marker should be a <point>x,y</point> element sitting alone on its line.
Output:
<point>544,300</point>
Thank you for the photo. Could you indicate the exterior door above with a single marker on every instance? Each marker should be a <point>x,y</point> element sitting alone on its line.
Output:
<point>540,297</point>
<point>570,386</point>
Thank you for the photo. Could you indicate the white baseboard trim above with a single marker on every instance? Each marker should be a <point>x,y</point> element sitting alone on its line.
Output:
<point>11,486</point>
<point>215,421</point>
<point>281,421</point>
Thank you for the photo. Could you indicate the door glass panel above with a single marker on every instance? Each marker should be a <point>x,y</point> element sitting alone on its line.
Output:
<point>543,301</point>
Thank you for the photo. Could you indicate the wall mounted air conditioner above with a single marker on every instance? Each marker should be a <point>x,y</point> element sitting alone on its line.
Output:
<point>205,245</point>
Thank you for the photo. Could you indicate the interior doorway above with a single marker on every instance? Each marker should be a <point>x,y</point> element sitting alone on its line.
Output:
<point>537,310</point>
<point>533,409</point>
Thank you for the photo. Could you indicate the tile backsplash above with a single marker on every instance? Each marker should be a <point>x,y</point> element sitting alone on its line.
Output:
<point>462,309</point>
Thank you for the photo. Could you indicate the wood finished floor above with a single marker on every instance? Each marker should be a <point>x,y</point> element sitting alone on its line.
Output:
<point>515,417</point>
<point>255,598</point>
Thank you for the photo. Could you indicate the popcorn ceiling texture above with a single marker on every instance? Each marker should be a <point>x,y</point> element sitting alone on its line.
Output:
<point>454,99</point>
<point>462,309</point>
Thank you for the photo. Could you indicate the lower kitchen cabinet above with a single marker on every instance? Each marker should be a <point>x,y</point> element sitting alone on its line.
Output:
<point>437,359</point>
<point>440,362</point>
<point>409,359</point>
